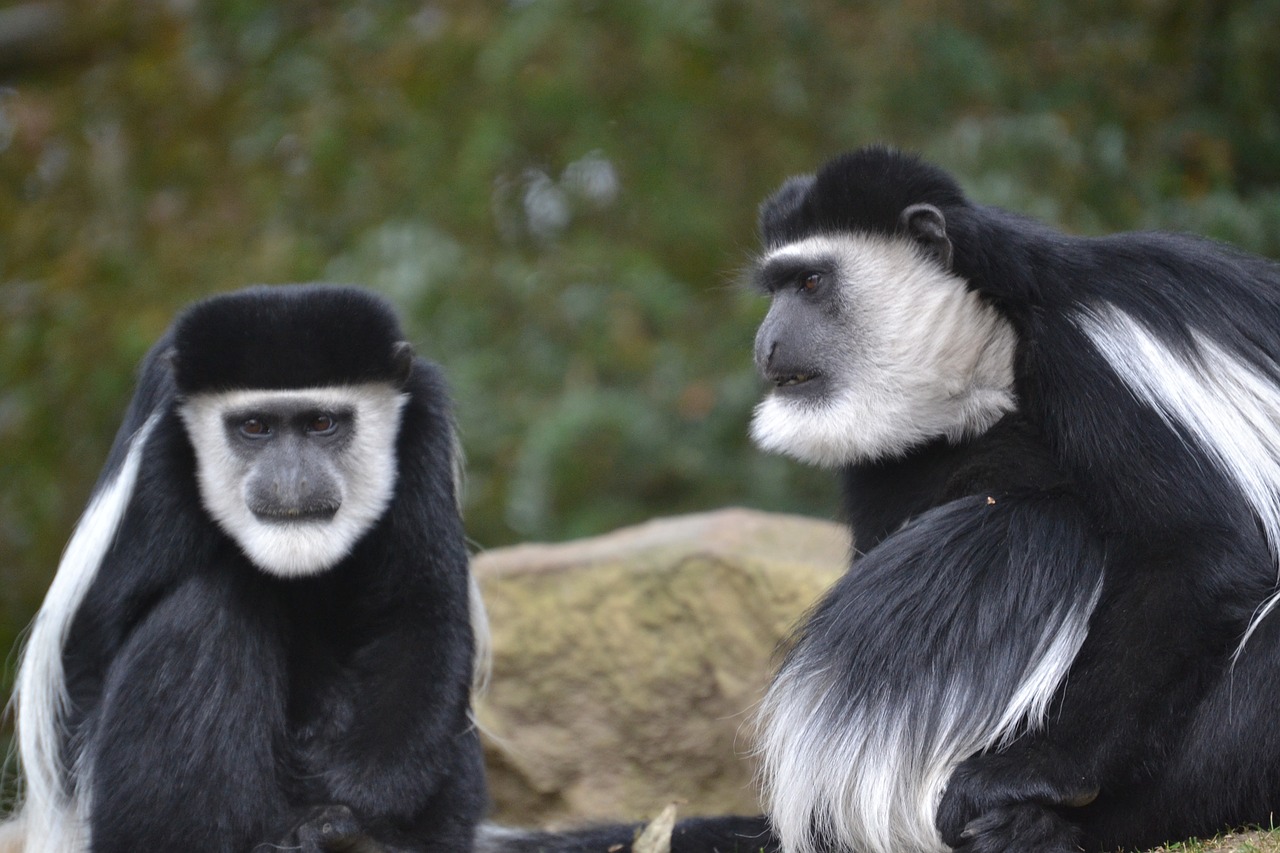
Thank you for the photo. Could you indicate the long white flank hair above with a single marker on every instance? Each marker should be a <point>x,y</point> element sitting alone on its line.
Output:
<point>55,818</point>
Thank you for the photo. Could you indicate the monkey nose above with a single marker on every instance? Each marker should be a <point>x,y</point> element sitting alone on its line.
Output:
<point>764,355</point>
<point>294,496</point>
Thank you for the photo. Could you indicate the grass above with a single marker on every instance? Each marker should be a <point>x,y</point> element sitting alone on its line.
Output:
<point>1260,841</point>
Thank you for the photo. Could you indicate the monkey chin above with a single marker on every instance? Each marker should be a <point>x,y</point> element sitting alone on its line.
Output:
<point>299,548</point>
<point>867,425</point>
<point>813,430</point>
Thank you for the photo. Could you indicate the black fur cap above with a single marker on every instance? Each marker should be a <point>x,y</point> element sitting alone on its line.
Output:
<point>863,190</point>
<point>288,336</point>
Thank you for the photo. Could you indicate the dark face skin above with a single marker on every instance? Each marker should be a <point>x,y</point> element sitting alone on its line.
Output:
<point>803,327</point>
<point>290,453</point>
<point>808,323</point>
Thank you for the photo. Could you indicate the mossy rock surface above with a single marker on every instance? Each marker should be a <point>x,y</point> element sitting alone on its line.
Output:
<point>626,666</point>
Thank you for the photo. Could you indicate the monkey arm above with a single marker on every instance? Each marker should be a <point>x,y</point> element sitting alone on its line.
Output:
<point>942,641</point>
<point>388,731</point>
<point>184,753</point>
<point>394,742</point>
<point>1157,638</point>
<point>403,713</point>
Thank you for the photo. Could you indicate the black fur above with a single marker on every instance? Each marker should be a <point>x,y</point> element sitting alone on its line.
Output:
<point>218,706</point>
<point>298,337</point>
<point>966,545</point>
<point>861,191</point>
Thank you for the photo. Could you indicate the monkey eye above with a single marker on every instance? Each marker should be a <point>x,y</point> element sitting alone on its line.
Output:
<point>809,283</point>
<point>254,427</point>
<point>322,425</point>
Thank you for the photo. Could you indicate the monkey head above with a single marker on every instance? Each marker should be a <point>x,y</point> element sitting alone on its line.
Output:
<point>873,342</point>
<point>292,406</point>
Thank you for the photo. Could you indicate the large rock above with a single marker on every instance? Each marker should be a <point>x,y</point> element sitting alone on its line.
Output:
<point>626,666</point>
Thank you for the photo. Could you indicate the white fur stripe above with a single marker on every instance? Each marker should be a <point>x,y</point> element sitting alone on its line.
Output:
<point>482,663</point>
<point>1029,707</point>
<point>1229,408</point>
<point>869,777</point>
<point>56,818</point>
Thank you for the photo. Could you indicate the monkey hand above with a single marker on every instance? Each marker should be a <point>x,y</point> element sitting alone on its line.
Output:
<point>1007,801</point>
<point>329,829</point>
<point>1020,828</point>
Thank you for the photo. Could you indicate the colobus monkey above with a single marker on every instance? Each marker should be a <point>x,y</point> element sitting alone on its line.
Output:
<point>1061,460</point>
<point>1061,457</point>
<point>259,636</point>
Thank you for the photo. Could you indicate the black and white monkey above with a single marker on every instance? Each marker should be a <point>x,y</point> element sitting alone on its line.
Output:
<point>261,633</point>
<point>1061,459</point>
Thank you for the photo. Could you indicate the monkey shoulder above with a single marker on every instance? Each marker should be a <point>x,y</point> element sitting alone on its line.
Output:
<point>1010,459</point>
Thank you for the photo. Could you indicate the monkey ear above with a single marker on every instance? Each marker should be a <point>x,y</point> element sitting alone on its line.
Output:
<point>402,360</point>
<point>928,227</point>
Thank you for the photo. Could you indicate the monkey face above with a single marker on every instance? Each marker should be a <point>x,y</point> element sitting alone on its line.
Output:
<point>295,477</point>
<point>872,347</point>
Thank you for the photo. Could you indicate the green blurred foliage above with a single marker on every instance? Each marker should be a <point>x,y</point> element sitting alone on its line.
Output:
<point>560,196</point>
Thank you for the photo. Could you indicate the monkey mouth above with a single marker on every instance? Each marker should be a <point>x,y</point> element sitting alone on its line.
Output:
<point>794,379</point>
<point>294,515</point>
<point>797,383</point>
